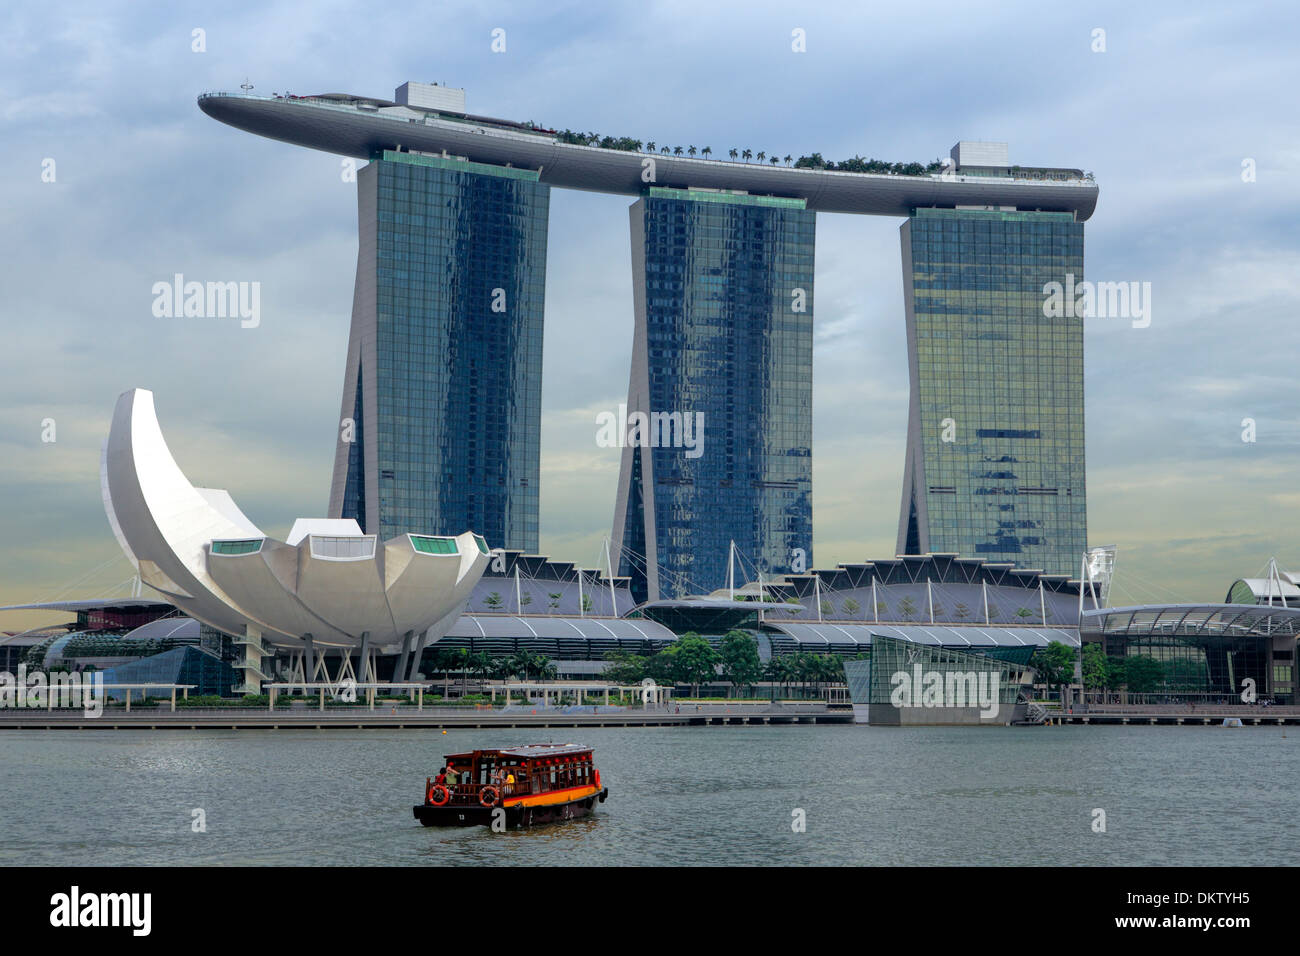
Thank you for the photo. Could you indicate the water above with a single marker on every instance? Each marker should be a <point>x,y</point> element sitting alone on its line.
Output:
<point>678,796</point>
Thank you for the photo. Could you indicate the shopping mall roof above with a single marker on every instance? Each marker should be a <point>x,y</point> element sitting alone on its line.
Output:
<point>810,636</point>
<point>1191,620</point>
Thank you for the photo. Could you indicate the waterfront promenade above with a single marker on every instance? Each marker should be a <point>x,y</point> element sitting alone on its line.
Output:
<point>402,717</point>
<point>1250,715</point>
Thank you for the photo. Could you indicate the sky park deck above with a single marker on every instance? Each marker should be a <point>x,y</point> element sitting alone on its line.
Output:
<point>363,127</point>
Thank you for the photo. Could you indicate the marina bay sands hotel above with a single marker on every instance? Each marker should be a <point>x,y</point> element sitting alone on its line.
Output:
<point>442,386</point>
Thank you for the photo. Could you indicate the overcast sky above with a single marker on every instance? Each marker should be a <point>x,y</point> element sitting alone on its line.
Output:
<point>147,186</point>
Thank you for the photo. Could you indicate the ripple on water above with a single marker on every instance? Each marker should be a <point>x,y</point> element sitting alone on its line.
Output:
<point>679,796</point>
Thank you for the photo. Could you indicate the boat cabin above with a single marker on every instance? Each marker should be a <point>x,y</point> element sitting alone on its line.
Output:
<point>536,769</point>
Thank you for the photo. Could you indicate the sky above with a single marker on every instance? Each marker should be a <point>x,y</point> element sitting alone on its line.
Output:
<point>1185,114</point>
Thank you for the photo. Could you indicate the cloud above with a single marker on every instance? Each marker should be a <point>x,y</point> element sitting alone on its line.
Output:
<point>148,186</point>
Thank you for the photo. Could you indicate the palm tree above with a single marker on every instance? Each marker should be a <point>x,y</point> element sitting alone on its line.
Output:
<point>677,150</point>
<point>481,665</point>
<point>733,154</point>
<point>788,159</point>
<point>663,149</point>
<point>707,151</point>
<point>761,155</point>
<point>774,160</point>
<point>746,155</point>
<point>690,150</point>
<point>650,146</point>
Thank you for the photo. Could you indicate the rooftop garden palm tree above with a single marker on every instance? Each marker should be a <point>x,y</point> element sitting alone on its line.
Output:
<point>733,154</point>
<point>746,154</point>
<point>677,150</point>
<point>650,147</point>
<point>706,152</point>
<point>690,150</point>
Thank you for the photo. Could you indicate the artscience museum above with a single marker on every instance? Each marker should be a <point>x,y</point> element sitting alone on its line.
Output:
<point>327,585</point>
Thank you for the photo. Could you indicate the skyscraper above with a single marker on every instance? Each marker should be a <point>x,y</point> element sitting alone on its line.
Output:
<point>441,408</point>
<point>723,298</point>
<point>995,449</point>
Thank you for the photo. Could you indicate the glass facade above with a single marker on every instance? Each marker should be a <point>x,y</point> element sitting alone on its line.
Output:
<point>891,658</point>
<point>1197,652</point>
<point>724,338</point>
<point>447,348</point>
<point>995,466</point>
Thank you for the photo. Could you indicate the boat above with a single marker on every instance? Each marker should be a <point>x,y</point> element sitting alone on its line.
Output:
<point>513,787</point>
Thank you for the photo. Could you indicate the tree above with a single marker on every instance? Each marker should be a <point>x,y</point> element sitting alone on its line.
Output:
<point>586,602</point>
<point>677,150</point>
<point>733,154</point>
<point>774,160</point>
<point>1142,674</point>
<point>694,660</point>
<point>555,599</point>
<point>741,666</point>
<point>1093,664</point>
<point>907,607</point>
<point>707,151</point>
<point>851,607</point>
<point>787,159</point>
<point>882,610</point>
<point>650,147</point>
<point>481,665</point>
<point>826,607</point>
<point>624,667</point>
<point>746,155</point>
<point>781,671</point>
<point>793,606</point>
<point>762,155</point>
<point>492,601</point>
<point>1054,664</point>
<point>525,599</point>
<point>962,612</point>
<point>1023,613</point>
<point>690,150</point>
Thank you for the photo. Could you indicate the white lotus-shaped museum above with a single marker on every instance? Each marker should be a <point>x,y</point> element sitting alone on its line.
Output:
<point>327,585</point>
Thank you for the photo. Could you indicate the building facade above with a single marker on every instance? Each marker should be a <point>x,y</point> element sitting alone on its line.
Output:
<point>995,448</point>
<point>722,375</point>
<point>441,412</point>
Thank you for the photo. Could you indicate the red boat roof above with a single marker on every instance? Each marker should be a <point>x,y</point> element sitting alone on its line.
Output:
<point>528,751</point>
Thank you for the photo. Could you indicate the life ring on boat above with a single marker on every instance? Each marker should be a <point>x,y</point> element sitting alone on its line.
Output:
<point>489,796</point>
<point>439,795</point>
<point>597,779</point>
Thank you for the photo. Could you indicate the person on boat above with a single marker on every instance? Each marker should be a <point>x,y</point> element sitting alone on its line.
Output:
<point>441,779</point>
<point>510,782</point>
<point>452,777</point>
